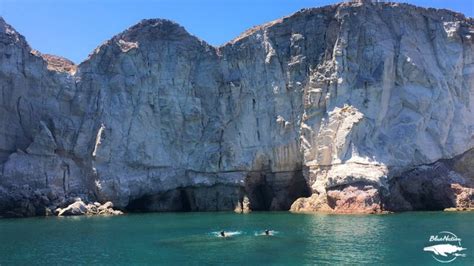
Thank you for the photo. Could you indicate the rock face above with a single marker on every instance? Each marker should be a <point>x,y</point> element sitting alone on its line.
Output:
<point>355,107</point>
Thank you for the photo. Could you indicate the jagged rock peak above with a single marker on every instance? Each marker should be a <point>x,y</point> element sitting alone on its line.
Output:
<point>148,31</point>
<point>331,11</point>
<point>154,29</point>
<point>8,33</point>
<point>324,10</point>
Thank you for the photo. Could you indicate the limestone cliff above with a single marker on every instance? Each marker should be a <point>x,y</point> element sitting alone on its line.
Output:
<point>346,108</point>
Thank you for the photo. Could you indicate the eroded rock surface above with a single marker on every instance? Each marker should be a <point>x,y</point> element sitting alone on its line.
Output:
<point>344,108</point>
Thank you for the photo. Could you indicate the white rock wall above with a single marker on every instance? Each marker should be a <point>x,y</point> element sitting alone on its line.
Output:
<point>344,94</point>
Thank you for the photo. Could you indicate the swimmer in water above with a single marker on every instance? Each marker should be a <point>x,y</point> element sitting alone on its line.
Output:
<point>222,233</point>
<point>267,232</point>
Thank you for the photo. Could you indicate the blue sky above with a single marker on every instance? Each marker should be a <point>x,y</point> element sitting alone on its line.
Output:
<point>73,28</point>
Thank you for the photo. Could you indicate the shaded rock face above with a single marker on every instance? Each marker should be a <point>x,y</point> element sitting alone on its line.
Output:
<point>345,108</point>
<point>37,131</point>
<point>262,191</point>
<point>444,184</point>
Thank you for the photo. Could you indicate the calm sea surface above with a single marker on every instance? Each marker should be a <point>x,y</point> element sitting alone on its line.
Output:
<point>191,238</point>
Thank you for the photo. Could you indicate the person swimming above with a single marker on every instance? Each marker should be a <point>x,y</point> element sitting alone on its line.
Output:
<point>222,233</point>
<point>267,232</point>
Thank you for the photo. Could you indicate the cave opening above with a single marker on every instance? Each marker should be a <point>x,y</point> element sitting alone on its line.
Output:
<point>172,200</point>
<point>422,194</point>
<point>139,205</point>
<point>275,191</point>
<point>265,190</point>
<point>185,200</point>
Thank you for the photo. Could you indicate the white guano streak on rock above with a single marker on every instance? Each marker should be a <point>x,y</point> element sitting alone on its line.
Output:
<point>127,46</point>
<point>98,139</point>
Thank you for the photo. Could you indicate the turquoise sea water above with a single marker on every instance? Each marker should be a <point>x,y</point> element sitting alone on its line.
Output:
<point>191,238</point>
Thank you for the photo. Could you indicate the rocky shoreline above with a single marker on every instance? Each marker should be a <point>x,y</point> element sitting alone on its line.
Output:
<point>356,107</point>
<point>80,208</point>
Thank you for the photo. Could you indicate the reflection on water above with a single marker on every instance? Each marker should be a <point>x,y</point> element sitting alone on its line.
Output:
<point>262,233</point>
<point>347,238</point>
<point>194,237</point>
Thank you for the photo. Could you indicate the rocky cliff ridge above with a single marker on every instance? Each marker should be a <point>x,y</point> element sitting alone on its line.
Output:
<point>355,107</point>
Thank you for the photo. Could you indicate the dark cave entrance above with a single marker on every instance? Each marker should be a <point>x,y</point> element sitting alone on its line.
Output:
<point>173,200</point>
<point>420,193</point>
<point>185,201</point>
<point>275,191</point>
<point>266,191</point>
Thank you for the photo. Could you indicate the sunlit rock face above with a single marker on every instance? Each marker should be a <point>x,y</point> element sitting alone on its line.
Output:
<point>346,108</point>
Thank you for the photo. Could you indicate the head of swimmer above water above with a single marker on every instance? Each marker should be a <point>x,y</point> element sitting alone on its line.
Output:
<point>267,232</point>
<point>222,233</point>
